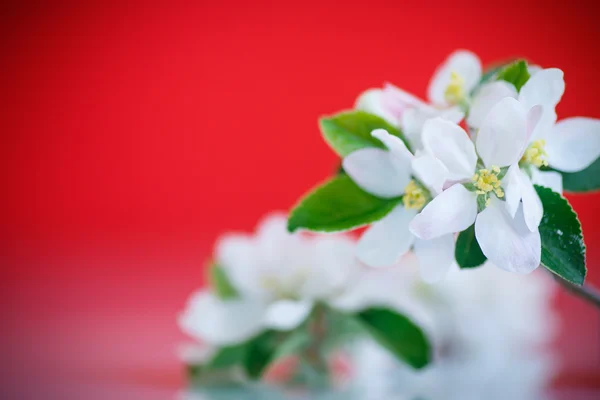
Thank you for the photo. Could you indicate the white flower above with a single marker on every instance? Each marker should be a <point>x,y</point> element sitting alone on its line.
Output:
<point>387,174</point>
<point>481,322</point>
<point>507,232</point>
<point>449,88</point>
<point>278,277</point>
<point>570,145</point>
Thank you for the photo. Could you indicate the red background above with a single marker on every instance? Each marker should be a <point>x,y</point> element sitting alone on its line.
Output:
<point>133,135</point>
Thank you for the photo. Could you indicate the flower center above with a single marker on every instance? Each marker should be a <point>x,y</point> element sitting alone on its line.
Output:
<point>455,92</point>
<point>487,181</point>
<point>536,154</point>
<point>415,196</point>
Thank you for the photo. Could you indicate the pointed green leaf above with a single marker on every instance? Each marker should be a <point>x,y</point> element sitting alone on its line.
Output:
<point>398,334</point>
<point>563,250</point>
<point>587,180</point>
<point>468,254</point>
<point>349,131</point>
<point>260,352</point>
<point>337,205</point>
<point>515,73</point>
<point>221,284</point>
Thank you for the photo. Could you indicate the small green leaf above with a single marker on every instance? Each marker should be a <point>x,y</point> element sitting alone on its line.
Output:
<point>515,73</point>
<point>349,131</point>
<point>468,254</point>
<point>221,284</point>
<point>587,180</point>
<point>563,250</point>
<point>337,205</point>
<point>398,334</point>
<point>228,356</point>
<point>260,352</point>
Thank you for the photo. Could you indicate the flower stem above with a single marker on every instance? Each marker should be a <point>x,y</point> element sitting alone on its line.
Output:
<point>587,292</point>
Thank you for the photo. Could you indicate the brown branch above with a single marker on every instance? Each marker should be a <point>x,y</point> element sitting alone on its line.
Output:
<point>585,292</point>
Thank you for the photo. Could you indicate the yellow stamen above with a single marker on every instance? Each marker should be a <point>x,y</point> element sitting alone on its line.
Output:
<point>455,91</point>
<point>415,196</point>
<point>536,154</point>
<point>486,181</point>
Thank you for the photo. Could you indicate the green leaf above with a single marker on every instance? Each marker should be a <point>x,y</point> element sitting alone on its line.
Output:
<point>468,254</point>
<point>228,356</point>
<point>221,284</point>
<point>337,205</point>
<point>398,334</point>
<point>260,352</point>
<point>563,250</point>
<point>587,180</point>
<point>349,131</point>
<point>515,73</point>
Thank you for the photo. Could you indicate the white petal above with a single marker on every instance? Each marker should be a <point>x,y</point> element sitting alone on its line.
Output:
<point>549,179</point>
<point>431,171</point>
<point>219,322</point>
<point>454,210</point>
<point>450,144</point>
<point>435,257</point>
<point>506,241</point>
<point>377,171</point>
<point>545,88</point>
<point>573,144</point>
<point>285,315</point>
<point>486,98</point>
<point>532,205</point>
<point>512,189</point>
<point>503,135</point>
<point>394,144</point>
<point>240,259</point>
<point>464,63</point>
<point>400,100</point>
<point>387,239</point>
<point>372,101</point>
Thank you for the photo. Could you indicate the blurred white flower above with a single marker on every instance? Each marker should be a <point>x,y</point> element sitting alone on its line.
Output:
<point>278,277</point>
<point>489,329</point>
<point>387,174</point>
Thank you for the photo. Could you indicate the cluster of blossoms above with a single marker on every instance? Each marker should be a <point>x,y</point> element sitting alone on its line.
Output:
<point>490,329</point>
<point>277,280</point>
<point>482,175</point>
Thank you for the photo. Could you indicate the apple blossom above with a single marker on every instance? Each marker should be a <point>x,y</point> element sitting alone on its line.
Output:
<point>449,92</point>
<point>493,193</point>
<point>278,277</point>
<point>387,174</point>
<point>569,145</point>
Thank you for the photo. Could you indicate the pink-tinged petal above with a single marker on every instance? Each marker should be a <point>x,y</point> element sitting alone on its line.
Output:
<point>435,257</point>
<point>504,134</point>
<point>387,240</point>
<point>506,241</point>
<point>451,145</point>
<point>377,172</point>
<point>573,144</point>
<point>454,210</point>
<point>462,62</point>
<point>372,101</point>
<point>486,98</point>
